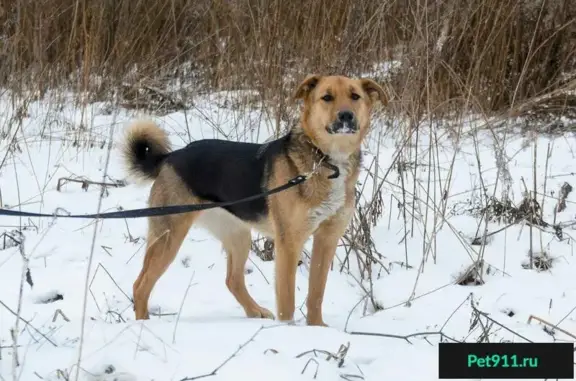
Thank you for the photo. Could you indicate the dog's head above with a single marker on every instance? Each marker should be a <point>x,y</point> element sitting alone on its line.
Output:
<point>336,114</point>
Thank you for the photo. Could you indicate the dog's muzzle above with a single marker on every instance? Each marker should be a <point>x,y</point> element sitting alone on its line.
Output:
<point>345,124</point>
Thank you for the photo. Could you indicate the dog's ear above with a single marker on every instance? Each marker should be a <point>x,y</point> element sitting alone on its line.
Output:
<point>372,89</point>
<point>306,86</point>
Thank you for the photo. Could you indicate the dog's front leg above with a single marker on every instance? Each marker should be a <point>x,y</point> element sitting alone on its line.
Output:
<point>323,250</point>
<point>288,250</point>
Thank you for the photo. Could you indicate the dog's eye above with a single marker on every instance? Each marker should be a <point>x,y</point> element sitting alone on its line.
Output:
<point>327,98</point>
<point>355,96</point>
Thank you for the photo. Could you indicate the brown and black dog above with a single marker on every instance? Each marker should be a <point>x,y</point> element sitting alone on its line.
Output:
<point>334,121</point>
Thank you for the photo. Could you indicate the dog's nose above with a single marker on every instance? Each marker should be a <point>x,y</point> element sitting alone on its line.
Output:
<point>345,116</point>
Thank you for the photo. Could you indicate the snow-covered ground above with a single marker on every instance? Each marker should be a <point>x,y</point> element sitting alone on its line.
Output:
<point>199,326</point>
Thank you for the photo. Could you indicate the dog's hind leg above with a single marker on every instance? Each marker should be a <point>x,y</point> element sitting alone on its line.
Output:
<point>165,236</point>
<point>236,240</point>
<point>237,247</point>
<point>164,240</point>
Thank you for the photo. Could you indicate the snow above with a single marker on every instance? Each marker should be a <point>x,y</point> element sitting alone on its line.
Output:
<point>201,326</point>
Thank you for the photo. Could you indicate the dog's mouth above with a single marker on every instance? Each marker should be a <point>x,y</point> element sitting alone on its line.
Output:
<point>344,128</point>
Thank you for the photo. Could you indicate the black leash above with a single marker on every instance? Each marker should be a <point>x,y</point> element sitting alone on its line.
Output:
<point>161,210</point>
<point>173,209</point>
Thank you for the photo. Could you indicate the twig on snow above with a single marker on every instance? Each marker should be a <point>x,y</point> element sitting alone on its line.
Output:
<point>406,337</point>
<point>532,317</point>
<point>86,183</point>
<point>227,360</point>
<point>28,324</point>
<point>329,355</point>
<point>182,306</point>
<point>565,190</point>
<point>59,312</point>
<point>306,366</point>
<point>350,377</point>
<point>352,310</point>
<point>487,317</point>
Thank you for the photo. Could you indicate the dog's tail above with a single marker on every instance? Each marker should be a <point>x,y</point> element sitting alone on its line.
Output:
<point>145,147</point>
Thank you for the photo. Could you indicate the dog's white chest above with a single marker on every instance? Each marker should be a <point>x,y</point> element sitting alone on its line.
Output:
<point>335,200</point>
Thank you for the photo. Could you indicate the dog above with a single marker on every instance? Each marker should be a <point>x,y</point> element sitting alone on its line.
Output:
<point>335,119</point>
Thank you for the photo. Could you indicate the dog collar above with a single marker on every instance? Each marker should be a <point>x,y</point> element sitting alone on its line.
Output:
<point>323,159</point>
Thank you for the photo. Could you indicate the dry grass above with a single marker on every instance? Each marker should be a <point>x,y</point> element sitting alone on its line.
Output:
<point>485,55</point>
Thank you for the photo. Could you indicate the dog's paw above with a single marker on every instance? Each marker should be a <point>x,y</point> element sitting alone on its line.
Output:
<point>261,313</point>
<point>316,323</point>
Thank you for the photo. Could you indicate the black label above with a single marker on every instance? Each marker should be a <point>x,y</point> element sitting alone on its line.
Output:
<point>506,360</point>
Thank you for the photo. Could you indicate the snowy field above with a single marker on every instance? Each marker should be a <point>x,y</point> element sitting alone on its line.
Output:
<point>70,296</point>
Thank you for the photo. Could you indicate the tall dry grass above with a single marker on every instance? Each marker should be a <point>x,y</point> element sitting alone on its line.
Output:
<point>486,55</point>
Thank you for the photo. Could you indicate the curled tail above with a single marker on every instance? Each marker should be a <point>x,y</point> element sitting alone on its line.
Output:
<point>145,147</point>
